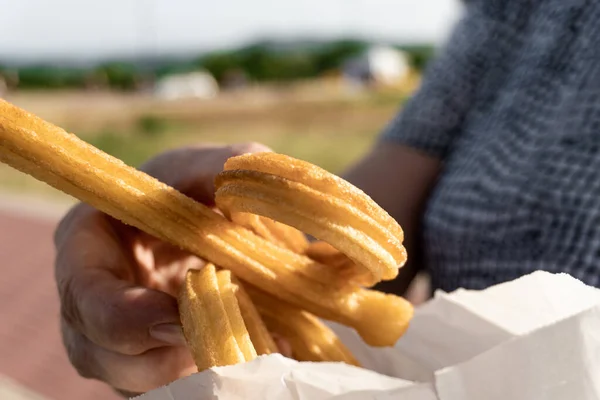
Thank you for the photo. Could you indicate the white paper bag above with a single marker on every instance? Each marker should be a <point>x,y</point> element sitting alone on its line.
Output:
<point>558,361</point>
<point>534,338</point>
<point>275,377</point>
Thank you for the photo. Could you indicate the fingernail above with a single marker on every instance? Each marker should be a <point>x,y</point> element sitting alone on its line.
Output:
<point>169,333</point>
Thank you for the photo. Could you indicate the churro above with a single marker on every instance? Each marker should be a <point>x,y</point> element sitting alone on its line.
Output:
<point>326,254</point>
<point>212,320</point>
<point>273,231</point>
<point>316,202</point>
<point>260,336</point>
<point>310,338</point>
<point>62,160</point>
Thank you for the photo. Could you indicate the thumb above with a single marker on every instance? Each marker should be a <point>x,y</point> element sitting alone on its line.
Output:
<point>192,169</point>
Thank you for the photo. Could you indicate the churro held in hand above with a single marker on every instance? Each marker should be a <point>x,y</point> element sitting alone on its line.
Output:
<point>340,215</point>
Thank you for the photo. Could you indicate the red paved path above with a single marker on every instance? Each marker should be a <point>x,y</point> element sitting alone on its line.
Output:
<point>31,351</point>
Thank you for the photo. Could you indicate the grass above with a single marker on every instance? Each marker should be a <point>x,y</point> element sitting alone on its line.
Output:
<point>330,131</point>
<point>331,151</point>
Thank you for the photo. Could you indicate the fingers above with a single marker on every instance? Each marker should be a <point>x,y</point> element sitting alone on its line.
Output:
<point>123,318</point>
<point>192,170</point>
<point>284,346</point>
<point>117,326</point>
<point>148,371</point>
<point>133,374</point>
<point>96,279</point>
<point>249,147</point>
<point>113,330</point>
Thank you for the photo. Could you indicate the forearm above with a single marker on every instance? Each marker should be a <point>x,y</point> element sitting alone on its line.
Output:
<point>399,179</point>
<point>401,170</point>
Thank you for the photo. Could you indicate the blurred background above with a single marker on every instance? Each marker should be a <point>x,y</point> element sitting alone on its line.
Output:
<point>313,79</point>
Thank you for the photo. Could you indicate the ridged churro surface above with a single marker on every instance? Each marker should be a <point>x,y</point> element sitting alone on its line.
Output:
<point>268,200</point>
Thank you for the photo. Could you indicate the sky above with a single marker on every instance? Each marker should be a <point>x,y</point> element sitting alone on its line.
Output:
<point>80,29</point>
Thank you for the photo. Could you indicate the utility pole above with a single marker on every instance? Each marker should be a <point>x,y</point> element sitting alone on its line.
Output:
<point>146,28</point>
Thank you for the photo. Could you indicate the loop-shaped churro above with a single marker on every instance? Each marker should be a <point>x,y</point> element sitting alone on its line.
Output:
<point>314,201</point>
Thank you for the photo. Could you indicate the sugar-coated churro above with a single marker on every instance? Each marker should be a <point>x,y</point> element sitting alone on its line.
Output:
<point>274,259</point>
<point>314,201</point>
<point>212,320</point>
<point>310,338</point>
<point>260,336</point>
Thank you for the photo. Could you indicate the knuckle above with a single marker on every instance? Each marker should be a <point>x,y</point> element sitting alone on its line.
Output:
<point>69,307</point>
<point>63,226</point>
<point>249,147</point>
<point>79,352</point>
<point>70,221</point>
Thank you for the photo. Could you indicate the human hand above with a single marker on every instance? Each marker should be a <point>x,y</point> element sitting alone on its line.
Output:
<point>118,285</point>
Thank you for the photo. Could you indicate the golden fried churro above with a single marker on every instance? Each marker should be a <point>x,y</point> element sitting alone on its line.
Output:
<point>235,315</point>
<point>260,336</point>
<point>314,201</point>
<point>311,339</point>
<point>67,163</point>
<point>324,253</point>
<point>212,320</point>
<point>273,231</point>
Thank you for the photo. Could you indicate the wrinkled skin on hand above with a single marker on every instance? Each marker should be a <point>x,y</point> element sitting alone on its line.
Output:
<point>118,286</point>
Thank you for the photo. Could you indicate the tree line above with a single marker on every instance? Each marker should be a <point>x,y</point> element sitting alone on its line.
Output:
<point>260,62</point>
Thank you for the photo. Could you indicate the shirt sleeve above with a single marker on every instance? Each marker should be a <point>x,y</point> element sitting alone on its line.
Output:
<point>432,118</point>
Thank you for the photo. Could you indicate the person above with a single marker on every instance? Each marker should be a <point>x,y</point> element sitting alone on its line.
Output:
<point>492,169</point>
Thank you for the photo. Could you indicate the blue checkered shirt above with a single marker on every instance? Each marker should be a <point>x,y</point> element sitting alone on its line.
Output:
<point>511,106</point>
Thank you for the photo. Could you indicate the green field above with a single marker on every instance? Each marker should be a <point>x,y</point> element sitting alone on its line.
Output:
<point>327,129</point>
